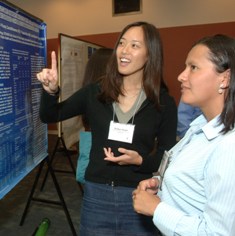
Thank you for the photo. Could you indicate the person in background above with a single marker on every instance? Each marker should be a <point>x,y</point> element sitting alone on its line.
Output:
<point>127,110</point>
<point>186,114</point>
<point>196,189</point>
<point>94,71</point>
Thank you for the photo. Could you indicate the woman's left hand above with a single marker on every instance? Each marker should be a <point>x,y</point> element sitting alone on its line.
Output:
<point>129,157</point>
<point>145,202</point>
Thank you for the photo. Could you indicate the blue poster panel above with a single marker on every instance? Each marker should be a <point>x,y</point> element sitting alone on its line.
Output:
<point>23,138</point>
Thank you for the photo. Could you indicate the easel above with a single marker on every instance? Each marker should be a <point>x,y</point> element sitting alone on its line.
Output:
<point>61,202</point>
<point>52,172</point>
<point>61,140</point>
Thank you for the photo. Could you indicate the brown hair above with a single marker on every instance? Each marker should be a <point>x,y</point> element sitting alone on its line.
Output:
<point>96,65</point>
<point>94,71</point>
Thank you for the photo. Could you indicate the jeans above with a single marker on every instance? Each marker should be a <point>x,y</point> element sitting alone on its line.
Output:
<point>108,211</point>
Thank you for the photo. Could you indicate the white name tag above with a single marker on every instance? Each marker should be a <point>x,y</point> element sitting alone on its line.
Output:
<point>121,132</point>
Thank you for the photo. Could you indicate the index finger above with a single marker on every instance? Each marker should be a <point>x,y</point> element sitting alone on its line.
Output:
<point>53,61</point>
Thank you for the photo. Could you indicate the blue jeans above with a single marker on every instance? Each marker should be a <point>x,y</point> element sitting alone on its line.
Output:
<point>108,211</point>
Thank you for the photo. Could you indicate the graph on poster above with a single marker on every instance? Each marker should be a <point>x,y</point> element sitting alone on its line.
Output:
<point>23,138</point>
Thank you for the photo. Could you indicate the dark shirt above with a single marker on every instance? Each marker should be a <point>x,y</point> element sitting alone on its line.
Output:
<point>150,124</point>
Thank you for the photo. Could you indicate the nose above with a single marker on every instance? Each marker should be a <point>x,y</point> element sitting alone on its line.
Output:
<point>125,49</point>
<point>182,76</point>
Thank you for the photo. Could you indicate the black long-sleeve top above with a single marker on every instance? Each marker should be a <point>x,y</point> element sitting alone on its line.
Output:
<point>150,125</point>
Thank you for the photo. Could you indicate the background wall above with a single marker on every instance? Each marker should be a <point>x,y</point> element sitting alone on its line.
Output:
<point>85,17</point>
<point>180,23</point>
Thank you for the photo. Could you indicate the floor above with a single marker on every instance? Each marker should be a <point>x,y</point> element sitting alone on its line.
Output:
<point>13,204</point>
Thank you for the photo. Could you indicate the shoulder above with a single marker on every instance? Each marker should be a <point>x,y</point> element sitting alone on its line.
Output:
<point>228,139</point>
<point>222,160</point>
<point>224,144</point>
<point>90,88</point>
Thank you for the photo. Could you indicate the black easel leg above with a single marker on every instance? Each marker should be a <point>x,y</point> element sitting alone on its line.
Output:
<point>62,202</point>
<point>61,197</point>
<point>71,164</point>
<point>60,139</point>
<point>32,192</point>
<point>51,160</point>
<point>69,158</point>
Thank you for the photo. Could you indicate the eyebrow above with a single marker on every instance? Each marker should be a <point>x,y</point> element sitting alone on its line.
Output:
<point>133,40</point>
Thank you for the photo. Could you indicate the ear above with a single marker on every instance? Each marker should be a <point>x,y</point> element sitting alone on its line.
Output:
<point>226,78</point>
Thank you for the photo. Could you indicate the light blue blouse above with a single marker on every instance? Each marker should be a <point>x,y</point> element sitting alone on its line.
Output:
<point>198,190</point>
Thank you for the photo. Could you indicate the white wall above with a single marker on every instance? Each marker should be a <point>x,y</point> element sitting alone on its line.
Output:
<point>85,17</point>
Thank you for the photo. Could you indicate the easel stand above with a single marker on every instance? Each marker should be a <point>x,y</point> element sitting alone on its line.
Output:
<point>61,202</point>
<point>61,140</point>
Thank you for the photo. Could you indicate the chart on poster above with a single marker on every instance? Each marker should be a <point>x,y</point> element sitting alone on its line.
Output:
<point>23,138</point>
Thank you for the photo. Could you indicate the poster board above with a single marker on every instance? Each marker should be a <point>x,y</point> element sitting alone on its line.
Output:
<point>73,57</point>
<point>23,138</point>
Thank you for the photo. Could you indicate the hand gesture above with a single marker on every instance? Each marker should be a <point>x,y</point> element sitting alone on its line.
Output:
<point>49,77</point>
<point>129,157</point>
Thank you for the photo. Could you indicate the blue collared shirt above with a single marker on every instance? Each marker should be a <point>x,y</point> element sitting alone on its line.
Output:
<point>198,190</point>
<point>186,114</point>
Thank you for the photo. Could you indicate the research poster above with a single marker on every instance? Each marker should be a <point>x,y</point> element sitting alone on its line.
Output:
<point>74,54</point>
<point>23,137</point>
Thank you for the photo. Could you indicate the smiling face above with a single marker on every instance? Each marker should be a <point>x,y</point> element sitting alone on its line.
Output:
<point>132,52</point>
<point>200,81</point>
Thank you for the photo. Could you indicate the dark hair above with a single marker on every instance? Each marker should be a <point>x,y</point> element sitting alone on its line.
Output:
<point>153,69</point>
<point>94,71</point>
<point>222,55</point>
<point>96,65</point>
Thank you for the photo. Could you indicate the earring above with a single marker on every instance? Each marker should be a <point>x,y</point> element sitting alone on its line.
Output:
<point>220,90</point>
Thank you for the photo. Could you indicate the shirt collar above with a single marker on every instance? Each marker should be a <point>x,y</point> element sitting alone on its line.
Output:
<point>211,129</point>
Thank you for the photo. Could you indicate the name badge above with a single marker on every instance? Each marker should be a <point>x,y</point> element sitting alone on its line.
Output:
<point>121,132</point>
<point>162,168</point>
